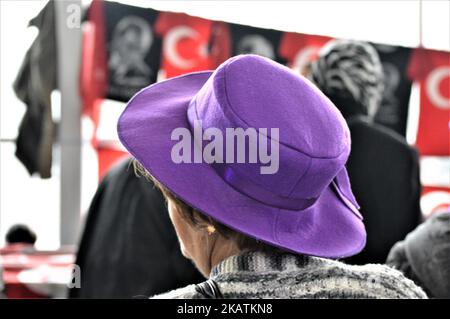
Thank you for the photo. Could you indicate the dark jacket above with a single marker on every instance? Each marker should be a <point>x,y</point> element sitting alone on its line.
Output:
<point>384,174</point>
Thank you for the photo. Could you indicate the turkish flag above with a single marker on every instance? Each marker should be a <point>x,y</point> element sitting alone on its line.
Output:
<point>93,70</point>
<point>185,43</point>
<point>300,49</point>
<point>219,44</point>
<point>432,69</point>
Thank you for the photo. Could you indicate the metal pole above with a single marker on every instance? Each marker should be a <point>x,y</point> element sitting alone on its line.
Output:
<point>68,36</point>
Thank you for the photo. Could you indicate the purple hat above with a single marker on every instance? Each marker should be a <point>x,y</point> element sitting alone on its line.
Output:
<point>305,206</point>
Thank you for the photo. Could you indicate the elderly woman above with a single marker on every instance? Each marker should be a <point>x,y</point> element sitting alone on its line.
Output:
<point>251,159</point>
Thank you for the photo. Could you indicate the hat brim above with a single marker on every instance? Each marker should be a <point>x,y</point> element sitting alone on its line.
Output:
<point>329,228</point>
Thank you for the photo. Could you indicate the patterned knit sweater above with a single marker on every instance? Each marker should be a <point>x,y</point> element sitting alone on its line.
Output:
<point>284,275</point>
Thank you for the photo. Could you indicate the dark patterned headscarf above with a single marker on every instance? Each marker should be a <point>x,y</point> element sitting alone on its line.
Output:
<point>351,75</point>
<point>424,255</point>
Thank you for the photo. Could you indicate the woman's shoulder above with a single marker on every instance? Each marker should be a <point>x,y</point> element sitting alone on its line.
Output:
<point>380,280</point>
<point>319,278</point>
<point>188,292</point>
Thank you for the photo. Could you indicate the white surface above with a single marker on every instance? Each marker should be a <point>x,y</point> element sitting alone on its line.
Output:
<point>390,22</point>
<point>107,129</point>
<point>435,171</point>
<point>434,202</point>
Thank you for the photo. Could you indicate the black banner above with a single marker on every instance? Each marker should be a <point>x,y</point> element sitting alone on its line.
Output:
<point>133,49</point>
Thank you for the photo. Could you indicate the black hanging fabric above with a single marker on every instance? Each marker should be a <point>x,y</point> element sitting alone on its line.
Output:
<point>133,49</point>
<point>129,247</point>
<point>393,111</point>
<point>33,85</point>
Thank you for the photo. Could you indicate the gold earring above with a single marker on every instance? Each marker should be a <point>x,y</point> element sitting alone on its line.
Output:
<point>211,229</point>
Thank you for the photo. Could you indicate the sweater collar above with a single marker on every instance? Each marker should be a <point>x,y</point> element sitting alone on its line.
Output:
<point>260,262</point>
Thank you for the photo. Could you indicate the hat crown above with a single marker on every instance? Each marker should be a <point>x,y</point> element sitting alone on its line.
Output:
<point>263,93</point>
<point>250,91</point>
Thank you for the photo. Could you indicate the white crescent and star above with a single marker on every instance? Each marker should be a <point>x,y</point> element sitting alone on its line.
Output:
<point>170,46</point>
<point>432,87</point>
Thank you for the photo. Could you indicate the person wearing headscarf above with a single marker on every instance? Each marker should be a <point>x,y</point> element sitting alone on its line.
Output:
<point>350,73</point>
<point>424,256</point>
<point>383,168</point>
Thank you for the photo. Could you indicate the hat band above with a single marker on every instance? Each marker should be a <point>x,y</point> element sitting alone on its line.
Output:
<point>247,187</point>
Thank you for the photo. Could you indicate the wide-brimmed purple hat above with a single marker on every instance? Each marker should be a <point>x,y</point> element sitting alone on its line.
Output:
<point>306,206</point>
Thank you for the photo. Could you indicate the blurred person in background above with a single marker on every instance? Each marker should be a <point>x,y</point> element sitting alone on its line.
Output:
<point>19,238</point>
<point>258,235</point>
<point>383,168</point>
<point>424,255</point>
<point>20,234</point>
